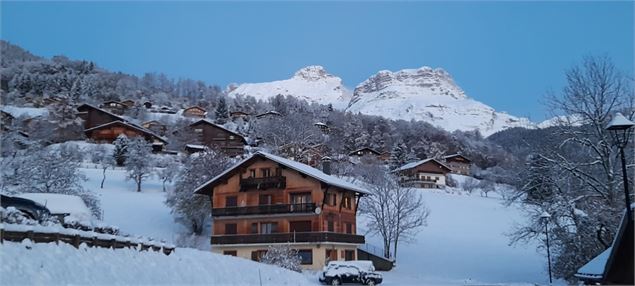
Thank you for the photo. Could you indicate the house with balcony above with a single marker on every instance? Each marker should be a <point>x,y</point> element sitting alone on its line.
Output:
<point>266,200</point>
<point>458,163</point>
<point>427,174</point>
<point>216,136</point>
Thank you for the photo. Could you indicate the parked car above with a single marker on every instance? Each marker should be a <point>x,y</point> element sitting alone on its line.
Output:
<point>342,272</point>
<point>28,207</point>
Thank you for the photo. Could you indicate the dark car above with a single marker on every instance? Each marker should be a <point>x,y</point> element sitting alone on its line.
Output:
<point>29,208</point>
<point>344,272</point>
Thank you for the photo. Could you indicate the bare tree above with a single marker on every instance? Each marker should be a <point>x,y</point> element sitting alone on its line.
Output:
<point>138,161</point>
<point>395,213</point>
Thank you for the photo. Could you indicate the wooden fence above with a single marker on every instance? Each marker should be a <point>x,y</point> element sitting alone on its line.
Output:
<point>92,239</point>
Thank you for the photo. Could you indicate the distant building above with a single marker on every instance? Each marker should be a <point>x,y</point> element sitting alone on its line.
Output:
<point>367,152</point>
<point>269,200</point>
<point>238,114</point>
<point>216,136</point>
<point>115,107</point>
<point>323,127</point>
<point>458,163</point>
<point>194,111</point>
<point>129,103</point>
<point>155,126</point>
<point>269,114</point>
<point>428,173</point>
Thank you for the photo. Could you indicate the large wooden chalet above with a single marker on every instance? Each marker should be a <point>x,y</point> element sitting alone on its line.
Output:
<point>103,126</point>
<point>216,136</point>
<point>458,163</point>
<point>266,200</point>
<point>428,173</point>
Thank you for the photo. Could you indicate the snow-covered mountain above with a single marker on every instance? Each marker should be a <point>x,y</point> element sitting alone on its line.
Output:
<point>428,95</point>
<point>312,83</point>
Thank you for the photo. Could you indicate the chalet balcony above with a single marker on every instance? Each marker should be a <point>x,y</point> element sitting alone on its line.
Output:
<point>277,182</point>
<point>265,209</point>
<point>288,237</point>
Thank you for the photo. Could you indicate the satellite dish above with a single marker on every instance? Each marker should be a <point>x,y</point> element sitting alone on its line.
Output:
<point>318,210</point>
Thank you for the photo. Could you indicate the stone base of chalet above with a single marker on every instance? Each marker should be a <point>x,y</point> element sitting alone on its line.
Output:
<point>314,255</point>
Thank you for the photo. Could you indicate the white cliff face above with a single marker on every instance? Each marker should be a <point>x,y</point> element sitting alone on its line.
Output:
<point>312,83</point>
<point>428,95</point>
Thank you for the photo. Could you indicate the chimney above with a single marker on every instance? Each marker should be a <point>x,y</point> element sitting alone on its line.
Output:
<point>326,165</point>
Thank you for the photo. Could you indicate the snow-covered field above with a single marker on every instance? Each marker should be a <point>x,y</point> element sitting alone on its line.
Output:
<point>50,264</point>
<point>464,243</point>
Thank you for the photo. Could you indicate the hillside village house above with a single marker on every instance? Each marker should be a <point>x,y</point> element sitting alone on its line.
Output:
<point>428,173</point>
<point>267,200</point>
<point>216,136</point>
<point>194,111</point>
<point>458,163</point>
<point>115,107</point>
<point>238,114</point>
<point>155,126</point>
<point>129,103</point>
<point>103,126</point>
<point>367,152</point>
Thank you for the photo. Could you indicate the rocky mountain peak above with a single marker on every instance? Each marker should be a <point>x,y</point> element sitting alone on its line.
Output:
<point>312,73</point>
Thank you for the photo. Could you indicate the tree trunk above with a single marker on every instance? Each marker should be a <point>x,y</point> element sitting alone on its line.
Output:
<point>103,178</point>
<point>138,183</point>
<point>394,253</point>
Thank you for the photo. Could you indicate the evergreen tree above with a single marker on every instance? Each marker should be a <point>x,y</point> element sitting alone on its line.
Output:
<point>222,114</point>
<point>121,149</point>
<point>398,155</point>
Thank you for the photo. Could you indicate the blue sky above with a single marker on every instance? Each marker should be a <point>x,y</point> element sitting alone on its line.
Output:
<point>505,54</point>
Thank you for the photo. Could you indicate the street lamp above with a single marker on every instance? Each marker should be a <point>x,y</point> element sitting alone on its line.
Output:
<point>620,131</point>
<point>545,216</point>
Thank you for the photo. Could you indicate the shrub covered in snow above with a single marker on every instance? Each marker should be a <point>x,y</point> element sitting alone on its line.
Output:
<point>283,256</point>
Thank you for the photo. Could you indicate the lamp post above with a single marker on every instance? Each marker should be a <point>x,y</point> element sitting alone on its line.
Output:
<point>545,216</point>
<point>620,131</point>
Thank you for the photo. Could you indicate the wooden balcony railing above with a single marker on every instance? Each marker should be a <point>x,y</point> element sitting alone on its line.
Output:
<point>264,209</point>
<point>278,182</point>
<point>288,237</point>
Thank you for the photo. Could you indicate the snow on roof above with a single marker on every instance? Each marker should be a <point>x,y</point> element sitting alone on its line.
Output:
<point>594,269</point>
<point>417,163</point>
<point>302,168</point>
<point>455,155</point>
<point>195,146</point>
<point>364,148</point>
<point>30,112</point>
<point>144,130</point>
<point>59,204</point>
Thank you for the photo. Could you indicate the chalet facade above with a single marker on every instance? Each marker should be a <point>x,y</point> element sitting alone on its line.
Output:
<point>155,126</point>
<point>194,111</point>
<point>267,200</point>
<point>238,114</point>
<point>428,173</point>
<point>368,153</point>
<point>216,136</point>
<point>129,103</point>
<point>103,126</point>
<point>458,163</point>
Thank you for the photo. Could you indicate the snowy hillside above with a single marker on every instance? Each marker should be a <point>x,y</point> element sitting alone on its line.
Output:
<point>51,264</point>
<point>428,95</point>
<point>312,83</point>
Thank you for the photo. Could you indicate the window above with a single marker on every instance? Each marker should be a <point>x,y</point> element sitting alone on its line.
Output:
<point>330,225</point>
<point>346,202</point>
<point>198,130</point>
<point>257,255</point>
<point>349,228</point>
<point>306,256</point>
<point>349,255</point>
<point>230,252</point>
<point>265,200</point>
<point>230,228</point>
<point>268,227</point>
<point>231,137</point>
<point>278,172</point>
<point>231,201</point>
<point>301,198</point>
<point>254,227</point>
<point>265,172</point>
<point>331,199</point>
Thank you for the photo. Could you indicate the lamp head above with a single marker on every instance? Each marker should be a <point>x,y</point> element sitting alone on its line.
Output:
<point>619,122</point>
<point>545,215</point>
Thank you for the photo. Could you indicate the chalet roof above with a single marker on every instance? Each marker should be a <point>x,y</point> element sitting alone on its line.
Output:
<point>297,166</point>
<point>128,124</point>
<point>152,121</point>
<point>365,148</point>
<point>417,163</point>
<point>113,101</point>
<point>194,107</point>
<point>272,112</point>
<point>86,105</point>
<point>206,121</point>
<point>456,155</point>
<point>594,269</point>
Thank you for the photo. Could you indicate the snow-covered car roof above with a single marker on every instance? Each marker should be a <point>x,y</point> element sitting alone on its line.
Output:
<point>60,204</point>
<point>365,265</point>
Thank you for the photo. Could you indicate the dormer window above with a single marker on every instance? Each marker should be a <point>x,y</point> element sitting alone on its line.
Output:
<point>231,137</point>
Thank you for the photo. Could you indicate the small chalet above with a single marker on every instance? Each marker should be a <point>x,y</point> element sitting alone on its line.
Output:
<point>238,114</point>
<point>614,266</point>
<point>428,173</point>
<point>269,114</point>
<point>216,136</point>
<point>323,127</point>
<point>114,107</point>
<point>108,133</point>
<point>367,152</point>
<point>194,111</point>
<point>268,200</point>
<point>129,103</point>
<point>155,126</point>
<point>458,163</point>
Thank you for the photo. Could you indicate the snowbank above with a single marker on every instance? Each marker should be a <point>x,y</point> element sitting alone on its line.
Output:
<point>43,264</point>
